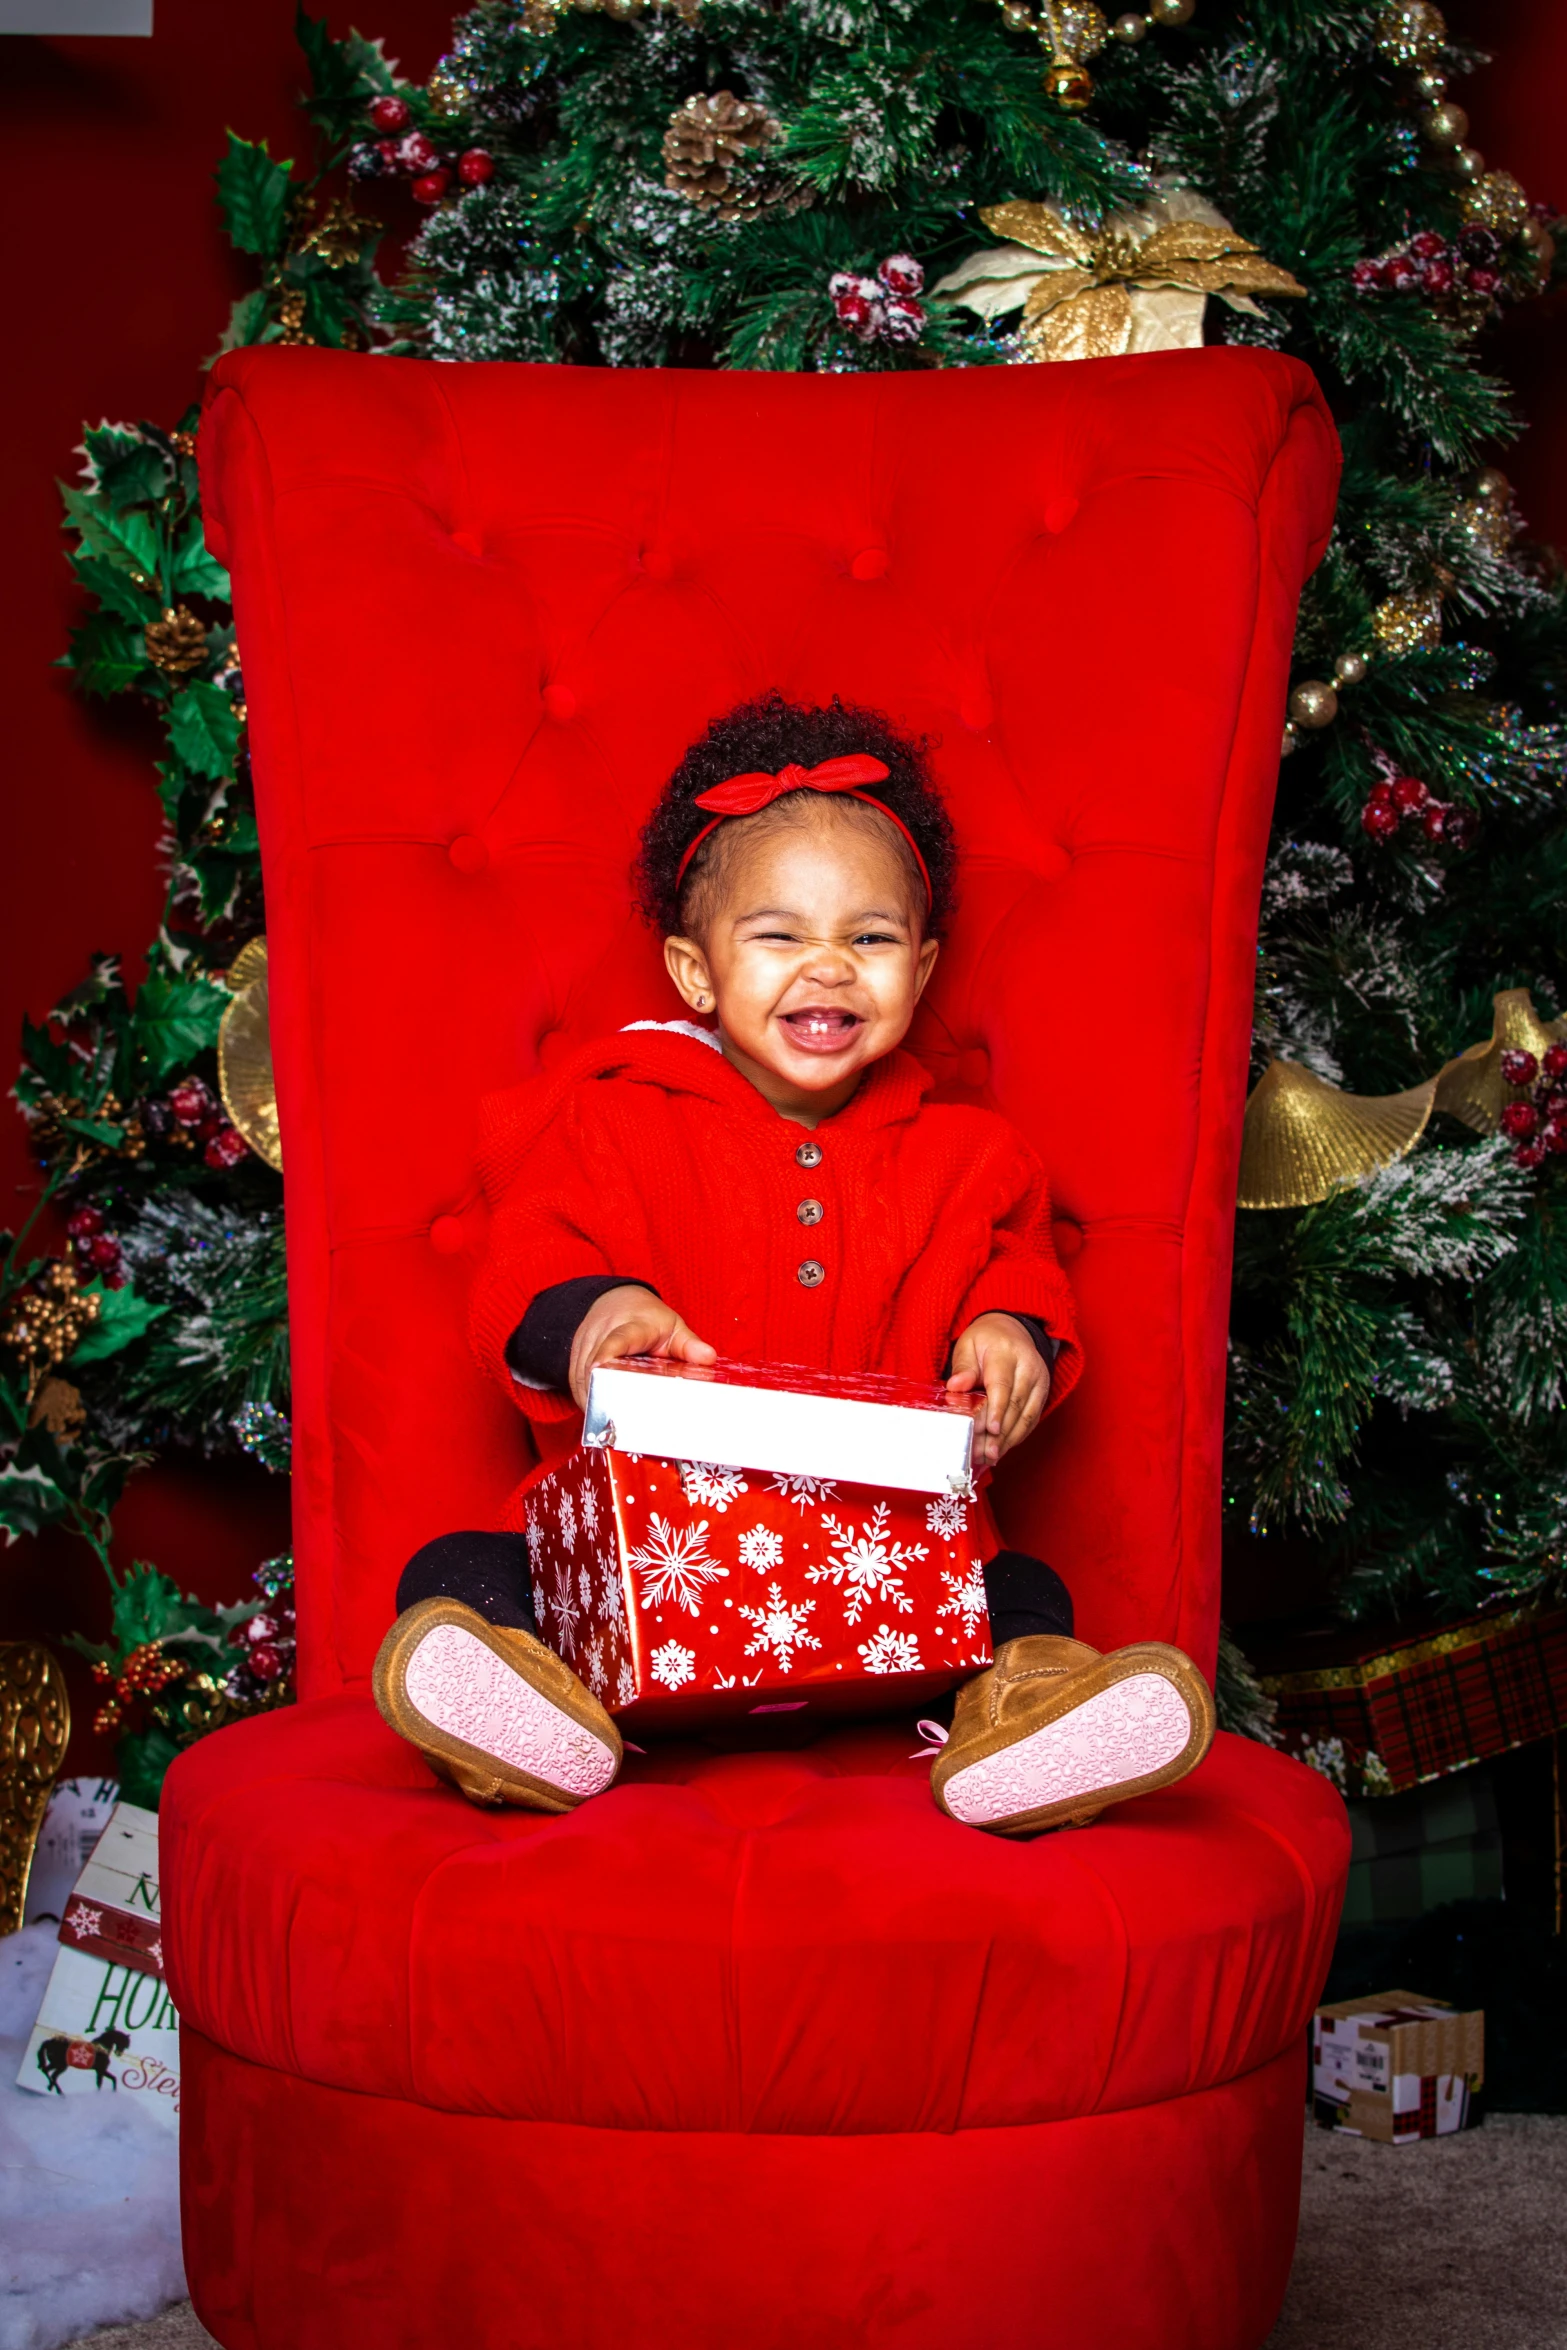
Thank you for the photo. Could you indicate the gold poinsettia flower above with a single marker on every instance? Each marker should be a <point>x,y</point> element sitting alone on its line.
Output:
<point>1139,283</point>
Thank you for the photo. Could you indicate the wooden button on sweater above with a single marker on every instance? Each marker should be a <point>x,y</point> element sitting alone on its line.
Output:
<point>809,1154</point>
<point>811,1274</point>
<point>810,1211</point>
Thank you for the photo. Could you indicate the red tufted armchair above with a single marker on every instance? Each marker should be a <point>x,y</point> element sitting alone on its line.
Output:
<point>758,2049</point>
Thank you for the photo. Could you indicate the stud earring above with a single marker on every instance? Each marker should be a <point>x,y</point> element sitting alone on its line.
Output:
<point>701,1003</point>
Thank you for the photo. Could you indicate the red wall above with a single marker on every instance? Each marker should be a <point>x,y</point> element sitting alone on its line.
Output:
<point>119,284</point>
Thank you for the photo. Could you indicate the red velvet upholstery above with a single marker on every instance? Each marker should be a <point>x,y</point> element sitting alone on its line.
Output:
<point>481,611</point>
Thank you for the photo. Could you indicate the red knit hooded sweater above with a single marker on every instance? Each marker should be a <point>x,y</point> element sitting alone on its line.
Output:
<point>648,1155</point>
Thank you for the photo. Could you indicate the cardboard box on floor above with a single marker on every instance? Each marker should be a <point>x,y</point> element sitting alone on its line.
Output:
<point>1395,2066</point>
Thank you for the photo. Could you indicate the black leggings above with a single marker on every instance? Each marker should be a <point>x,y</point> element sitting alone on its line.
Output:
<point>489,1573</point>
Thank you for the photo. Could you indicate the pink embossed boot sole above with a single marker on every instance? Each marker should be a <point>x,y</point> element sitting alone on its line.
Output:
<point>1124,1725</point>
<point>494,1710</point>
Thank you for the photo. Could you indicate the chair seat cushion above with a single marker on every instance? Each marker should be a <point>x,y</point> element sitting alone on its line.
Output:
<point>791,1941</point>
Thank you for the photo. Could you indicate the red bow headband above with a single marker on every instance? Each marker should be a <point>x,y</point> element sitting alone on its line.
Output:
<point>743,795</point>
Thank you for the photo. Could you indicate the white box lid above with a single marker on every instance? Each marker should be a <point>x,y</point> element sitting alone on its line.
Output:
<point>869,1430</point>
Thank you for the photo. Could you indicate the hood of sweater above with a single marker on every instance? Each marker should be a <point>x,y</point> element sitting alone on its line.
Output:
<point>676,1057</point>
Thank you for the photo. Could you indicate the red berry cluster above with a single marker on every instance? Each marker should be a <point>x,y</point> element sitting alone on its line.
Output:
<point>189,1114</point>
<point>266,1646</point>
<point>1395,799</point>
<point>884,308</point>
<point>403,152</point>
<point>1536,1122</point>
<point>98,1254</point>
<point>1435,265</point>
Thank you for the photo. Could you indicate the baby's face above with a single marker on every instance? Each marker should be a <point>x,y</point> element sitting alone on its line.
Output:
<point>813,954</point>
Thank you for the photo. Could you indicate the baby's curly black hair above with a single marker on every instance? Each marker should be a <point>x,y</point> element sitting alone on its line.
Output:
<point>768,734</point>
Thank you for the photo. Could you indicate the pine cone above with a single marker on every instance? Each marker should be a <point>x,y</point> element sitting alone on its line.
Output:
<point>706,138</point>
<point>176,643</point>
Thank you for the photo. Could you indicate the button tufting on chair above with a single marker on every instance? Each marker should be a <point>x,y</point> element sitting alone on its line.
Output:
<point>467,852</point>
<point>757,2047</point>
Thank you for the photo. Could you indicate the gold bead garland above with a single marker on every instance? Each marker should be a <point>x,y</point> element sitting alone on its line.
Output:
<point>1072,31</point>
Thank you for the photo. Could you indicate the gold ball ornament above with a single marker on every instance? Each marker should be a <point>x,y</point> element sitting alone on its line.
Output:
<point>1409,623</point>
<point>446,95</point>
<point>1446,125</point>
<point>1431,85</point>
<point>1131,30</point>
<point>1313,703</point>
<point>1493,486</point>
<point>1410,32</point>
<point>1539,241</point>
<point>1172,12</point>
<point>1071,85</point>
<point>1469,163</point>
<point>1290,742</point>
<point>1350,668</point>
<point>1497,202</point>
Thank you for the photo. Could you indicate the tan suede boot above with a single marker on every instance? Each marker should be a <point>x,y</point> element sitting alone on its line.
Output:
<point>1054,1732</point>
<point>493,1710</point>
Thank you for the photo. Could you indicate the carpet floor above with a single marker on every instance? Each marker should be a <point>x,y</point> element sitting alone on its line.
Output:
<point>1456,2244</point>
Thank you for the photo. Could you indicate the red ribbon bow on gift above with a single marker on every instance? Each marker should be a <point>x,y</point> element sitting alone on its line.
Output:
<point>743,795</point>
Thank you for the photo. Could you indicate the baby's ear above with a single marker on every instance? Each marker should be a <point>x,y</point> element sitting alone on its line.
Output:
<point>686,964</point>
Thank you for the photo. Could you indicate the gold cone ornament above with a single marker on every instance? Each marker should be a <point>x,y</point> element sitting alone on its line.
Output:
<point>35,1730</point>
<point>1139,283</point>
<point>1303,1139</point>
<point>245,1056</point>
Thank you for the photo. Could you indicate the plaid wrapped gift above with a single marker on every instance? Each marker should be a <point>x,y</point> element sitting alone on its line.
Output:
<point>1433,1704</point>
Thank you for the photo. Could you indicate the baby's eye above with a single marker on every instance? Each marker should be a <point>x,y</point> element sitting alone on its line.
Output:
<point>876,938</point>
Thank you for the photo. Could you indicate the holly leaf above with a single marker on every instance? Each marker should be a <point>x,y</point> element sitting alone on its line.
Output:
<point>253,192</point>
<point>196,572</point>
<point>107,657</point>
<point>117,593</point>
<point>203,730</point>
<point>29,1500</point>
<point>128,541</point>
<point>136,476</point>
<point>123,1317</point>
<point>100,1131</point>
<point>149,1605</point>
<point>246,322</point>
<point>177,1019</point>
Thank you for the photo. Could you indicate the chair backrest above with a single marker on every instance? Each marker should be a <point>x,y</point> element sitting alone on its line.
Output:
<point>483,609</point>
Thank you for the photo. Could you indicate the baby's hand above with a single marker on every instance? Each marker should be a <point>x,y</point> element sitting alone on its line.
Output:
<point>995,1352</point>
<point>630,1321</point>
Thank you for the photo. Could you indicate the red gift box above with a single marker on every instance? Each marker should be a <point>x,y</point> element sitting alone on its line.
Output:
<point>683,1592</point>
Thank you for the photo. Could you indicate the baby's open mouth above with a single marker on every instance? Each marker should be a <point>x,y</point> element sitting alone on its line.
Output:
<point>820,1028</point>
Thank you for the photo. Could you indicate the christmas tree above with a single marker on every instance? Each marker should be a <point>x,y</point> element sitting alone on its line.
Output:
<point>872,184</point>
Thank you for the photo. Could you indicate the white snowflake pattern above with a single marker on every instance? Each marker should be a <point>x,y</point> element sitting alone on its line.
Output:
<point>674,1665</point>
<point>870,1564</point>
<point>711,1484</point>
<point>85,1922</point>
<point>612,1601</point>
<point>676,1565</point>
<point>891,1652</point>
<point>626,1683</point>
<point>585,1589</point>
<point>563,1607</point>
<point>590,1511</point>
<point>965,1597</point>
<point>533,1527</point>
<point>591,1664</point>
<point>780,1627</point>
<point>568,1521</point>
<point>804,1491</point>
<point>760,1547</point>
<point>946,1516</point>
